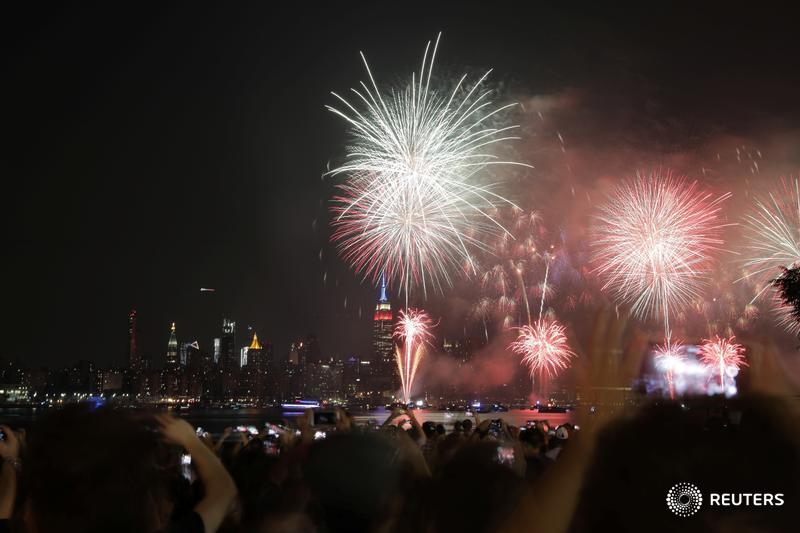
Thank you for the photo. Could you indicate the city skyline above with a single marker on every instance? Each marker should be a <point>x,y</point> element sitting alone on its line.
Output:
<point>235,368</point>
<point>181,153</point>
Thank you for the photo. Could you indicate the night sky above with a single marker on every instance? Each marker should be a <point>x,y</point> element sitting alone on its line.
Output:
<point>158,149</point>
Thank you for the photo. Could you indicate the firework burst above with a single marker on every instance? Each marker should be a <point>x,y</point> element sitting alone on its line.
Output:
<point>668,357</point>
<point>654,243</point>
<point>413,331</point>
<point>416,199</point>
<point>772,230</point>
<point>543,347</point>
<point>718,354</point>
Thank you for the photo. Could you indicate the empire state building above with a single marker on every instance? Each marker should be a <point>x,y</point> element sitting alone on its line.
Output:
<point>384,366</point>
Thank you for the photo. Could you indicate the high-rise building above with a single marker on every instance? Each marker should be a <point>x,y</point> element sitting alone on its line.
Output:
<point>292,378</point>
<point>309,351</point>
<point>171,374</point>
<point>187,351</point>
<point>383,361</point>
<point>351,376</point>
<point>258,371</point>
<point>217,349</point>
<point>171,357</point>
<point>134,359</point>
<point>227,345</point>
<point>229,359</point>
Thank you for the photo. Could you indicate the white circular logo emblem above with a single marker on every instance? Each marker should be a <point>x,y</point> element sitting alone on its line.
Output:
<point>684,499</point>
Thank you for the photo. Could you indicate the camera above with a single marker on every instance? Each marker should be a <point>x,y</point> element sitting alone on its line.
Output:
<point>494,427</point>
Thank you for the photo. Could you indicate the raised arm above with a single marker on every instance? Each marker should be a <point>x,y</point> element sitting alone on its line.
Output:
<point>220,490</point>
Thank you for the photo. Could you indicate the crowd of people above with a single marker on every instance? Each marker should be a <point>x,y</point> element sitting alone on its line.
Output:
<point>92,470</point>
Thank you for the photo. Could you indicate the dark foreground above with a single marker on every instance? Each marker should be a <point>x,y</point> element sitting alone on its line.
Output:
<point>90,470</point>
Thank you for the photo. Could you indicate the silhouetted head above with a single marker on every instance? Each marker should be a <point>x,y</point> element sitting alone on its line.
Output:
<point>474,475</point>
<point>94,471</point>
<point>352,477</point>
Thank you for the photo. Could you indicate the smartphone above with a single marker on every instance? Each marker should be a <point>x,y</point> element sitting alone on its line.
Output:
<point>186,466</point>
<point>505,455</point>
<point>2,435</point>
<point>494,427</point>
<point>325,418</point>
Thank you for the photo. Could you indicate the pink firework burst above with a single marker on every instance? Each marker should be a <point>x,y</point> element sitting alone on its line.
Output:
<point>413,330</point>
<point>654,242</point>
<point>543,347</point>
<point>720,353</point>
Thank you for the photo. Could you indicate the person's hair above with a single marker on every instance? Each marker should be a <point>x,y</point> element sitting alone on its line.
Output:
<point>466,424</point>
<point>473,474</point>
<point>440,429</point>
<point>458,426</point>
<point>93,471</point>
<point>532,437</point>
<point>252,470</point>
<point>352,477</point>
<point>429,428</point>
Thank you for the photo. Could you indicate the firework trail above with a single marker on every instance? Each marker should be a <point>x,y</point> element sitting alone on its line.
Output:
<point>772,230</point>
<point>512,272</point>
<point>416,200</point>
<point>543,347</point>
<point>654,243</point>
<point>544,288</point>
<point>668,357</point>
<point>413,331</point>
<point>545,344</point>
<point>719,353</point>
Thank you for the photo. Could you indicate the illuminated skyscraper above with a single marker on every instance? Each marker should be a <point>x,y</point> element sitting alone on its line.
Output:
<point>171,358</point>
<point>134,359</point>
<point>384,366</point>
<point>188,351</point>
<point>229,359</point>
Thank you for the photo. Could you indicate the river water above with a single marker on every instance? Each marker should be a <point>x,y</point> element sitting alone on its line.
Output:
<point>215,420</point>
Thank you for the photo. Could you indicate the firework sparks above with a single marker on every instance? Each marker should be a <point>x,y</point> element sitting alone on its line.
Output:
<point>668,357</point>
<point>719,354</point>
<point>413,330</point>
<point>654,243</point>
<point>543,347</point>
<point>416,198</point>
<point>773,235</point>
<point>524,270</point>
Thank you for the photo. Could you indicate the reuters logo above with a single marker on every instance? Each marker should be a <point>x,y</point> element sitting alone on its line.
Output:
<point>684,499</point>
